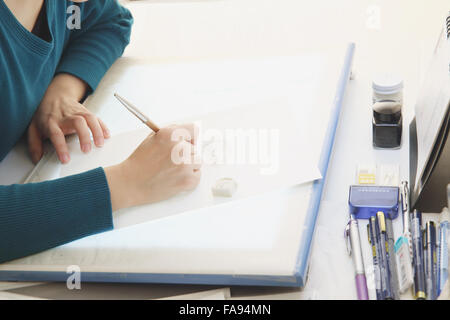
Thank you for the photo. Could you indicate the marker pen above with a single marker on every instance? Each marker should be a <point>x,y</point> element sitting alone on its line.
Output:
<point>443,250</point>
<point>430,262</point>
<point>384,255</point>
<point>376,266</point>
<point>380,256</point>
<point>419,272</point>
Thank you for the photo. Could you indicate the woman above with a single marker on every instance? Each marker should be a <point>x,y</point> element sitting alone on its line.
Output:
<point>46,68</point>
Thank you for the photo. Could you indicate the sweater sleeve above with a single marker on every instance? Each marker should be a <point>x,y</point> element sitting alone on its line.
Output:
<point>38,216</point>
<point>103,35</point>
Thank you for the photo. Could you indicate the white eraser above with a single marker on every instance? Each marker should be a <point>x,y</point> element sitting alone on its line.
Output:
<point>224,187</point>
<point>389,175</point>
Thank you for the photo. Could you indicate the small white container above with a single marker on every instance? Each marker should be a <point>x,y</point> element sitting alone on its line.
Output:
<point>387,121</point>
<point>387,88</point>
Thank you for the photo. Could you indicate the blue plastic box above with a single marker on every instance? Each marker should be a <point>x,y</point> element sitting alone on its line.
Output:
<point>366,201</point>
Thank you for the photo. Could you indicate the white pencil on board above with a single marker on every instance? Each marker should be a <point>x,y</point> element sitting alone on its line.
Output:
<point>37,167</point>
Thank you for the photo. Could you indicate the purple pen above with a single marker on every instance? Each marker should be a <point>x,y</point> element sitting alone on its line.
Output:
<point>352,232</point>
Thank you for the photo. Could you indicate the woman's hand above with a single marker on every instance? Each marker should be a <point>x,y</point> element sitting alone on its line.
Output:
<point>151,173</point>
<point>60,114</point>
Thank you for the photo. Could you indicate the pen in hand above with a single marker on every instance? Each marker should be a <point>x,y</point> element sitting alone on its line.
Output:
<point>134,110</point>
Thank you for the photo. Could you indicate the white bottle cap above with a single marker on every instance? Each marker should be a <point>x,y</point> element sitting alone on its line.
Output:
<point>387,84</point>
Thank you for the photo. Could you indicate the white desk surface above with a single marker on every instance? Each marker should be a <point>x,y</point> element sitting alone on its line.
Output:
<point>401,41</point>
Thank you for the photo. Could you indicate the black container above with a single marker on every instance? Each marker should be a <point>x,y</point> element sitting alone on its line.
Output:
<point>387,130</point>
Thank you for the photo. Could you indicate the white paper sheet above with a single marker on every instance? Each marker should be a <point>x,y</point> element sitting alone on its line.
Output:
<point>261,147</point>
<point>174,92</point>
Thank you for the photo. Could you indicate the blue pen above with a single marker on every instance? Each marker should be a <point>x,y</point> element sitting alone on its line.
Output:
<point>380,259</point>
<point>371,231</point>
<point>419,271</point>
<point>430,262</point>
<point>384,246</point>
<point>443,250</point>
<point>437,246</point>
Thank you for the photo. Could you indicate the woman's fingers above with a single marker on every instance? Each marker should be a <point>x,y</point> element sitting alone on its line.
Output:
<point>34,142</point>
<point>105,129</point>
<point>83,124</point>
<point>82,130</point>
<point>96,129</point>
<point>59,141</point>
<point>65,117</point>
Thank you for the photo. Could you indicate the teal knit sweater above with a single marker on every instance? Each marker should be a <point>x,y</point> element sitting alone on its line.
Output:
<point>39,216</point>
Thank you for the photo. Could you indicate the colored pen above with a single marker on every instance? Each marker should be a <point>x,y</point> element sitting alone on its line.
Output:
<point>388,295</point>
<point>392,259</point>
<point>352,232</point>
<point>425,259</point>
<point>380,258</point>
<point>375,255</point>
<point>403,247</point>
<point>443,250</point>
<point>436,257</point>
<point>419,272</point>
<point>404,190</point>
<point>430,262</point>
